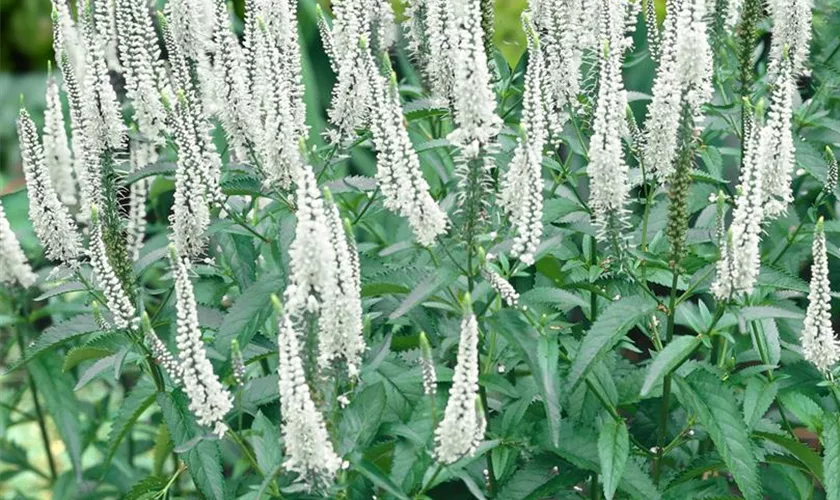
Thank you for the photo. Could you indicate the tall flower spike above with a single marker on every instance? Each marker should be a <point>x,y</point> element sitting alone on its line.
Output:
<point>501,286</point>
<point>210,401</point>
<point>521,194</point>
<point>427,363</point>
<point>51,219</point>
<point>776,149</point>
<point>791,34</point>
<point>473,100</point>
<point>161,353</point>
<point>463,424</point>
<point>740,262</point>
<point>439,65</point>
<point>683,81</point>
<point>140,155</point>
<point>608,172</point>
<point>345,340</point>
<point>831,176</point>
<point>142,67</point>
<point>192,24</point>
<point>14,268</point>
<point>56,146</point>
<point>308,449</point>
<point>398,170</point>
<point>117,300</point>
<point>819,344</point>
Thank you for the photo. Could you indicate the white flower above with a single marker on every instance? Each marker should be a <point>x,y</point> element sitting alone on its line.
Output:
<point>139,52</point>
<point>684,80</point>
<point>473,100</point>
<point>502,286</point>
<point>398,167</point>
<point>819,344</point>
<point>161,353</point>
<point>740,262</point>
<point>117,299</point>
<point>791,33</point>
<point>141,155</point>
<point>776,150</point>
<point>14,268</point>
<point>51,219</point>
<point>463,424</point>
<point>192,23</point>
<point>56,146</point>
<point>427,364</point>
<point>521,193</point>
<point>308,448</point>
<point>608,172</point>
<point>105,14</point>
<point>210,401</point>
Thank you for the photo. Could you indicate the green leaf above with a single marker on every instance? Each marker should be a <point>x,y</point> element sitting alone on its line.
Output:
<point>163,168</point>
<point>830,439</point>
<point>541,354</point>
<point>806,410</point>
<point>247,314</point>
<point>776,278</point>
<point>241,256</point>
<point>424,290</point>
<point>163,447</point>
<point>266,443</point>
<point>140,398</point>
<point>613,450</point>
<point>613,323</point>
<point>56,389</point>
<point>84,353</point>
<point>57,335</point>
<point>423,108</point>
<point>804,454</point>
<point>68,287</point>
<point>668,359</point>
<point>376,475</point>
<point>360,420</point>
<point>714,404</point>
<point>146,488</point>
<point>203,460</point>
<point>562,299</point>
<point>758,396</point>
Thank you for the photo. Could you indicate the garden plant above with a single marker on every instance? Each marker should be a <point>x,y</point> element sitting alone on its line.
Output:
<point>601,268</point>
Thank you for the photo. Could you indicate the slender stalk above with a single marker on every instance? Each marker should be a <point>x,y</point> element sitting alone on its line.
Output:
<point>42,426</point>
<point>492,486</point>
<point>666,384</point>
<point>593,297</point>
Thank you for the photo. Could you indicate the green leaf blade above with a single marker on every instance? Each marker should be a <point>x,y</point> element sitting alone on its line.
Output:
<point>613,450</point>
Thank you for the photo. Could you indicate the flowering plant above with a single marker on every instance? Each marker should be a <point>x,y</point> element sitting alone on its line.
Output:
<point>550,280</point>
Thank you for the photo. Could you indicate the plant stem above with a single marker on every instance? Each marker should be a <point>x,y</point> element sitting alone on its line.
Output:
<point>42,426</point>
<point>492,487</point>
<point>666,383</point>
<point>593,297</point>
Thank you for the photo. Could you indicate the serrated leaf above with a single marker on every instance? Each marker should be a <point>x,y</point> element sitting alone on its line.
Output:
<point>247,314</point>
<point>146,488</point>
<point>562,299</point>
<point>541,354</point>
<point>669,358</point>
<point>752,313</point>
<point>84,353</point>
<point>776,278</point>
<point>57,335</point>
<point>715,407</point>
<point>163,447</point>
<point>260,391</point>
<point>241,256</point>
<point>266,443</point>
<point>806,410</point>
<point>758,396</point>
<point>70,286</point>
<point>360,420</point>
<point>613,450</point>
<point>376,475</point>
<point>423,108</point>
<point>162,168</point>
<point>96,369</point>
<point>804,454</point>
<point>830,438</point>
<point>140,398</point>
<point>424,290</point>
<point>613,323</point>
<point>203,460</point>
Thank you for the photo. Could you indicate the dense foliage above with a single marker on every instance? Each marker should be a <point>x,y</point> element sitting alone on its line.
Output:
<point>603,271</point>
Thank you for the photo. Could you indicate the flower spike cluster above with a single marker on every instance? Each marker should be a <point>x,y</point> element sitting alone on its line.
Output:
<point>118,301</point>
<point>522,186</point>
<point>140,155</point>
<point>791,33</point>
<point>398,168</point>
<point>819,344</point>
<point>210,401</point>
<point>462,428</point>
<point>776,149</point>
<point>684,80</point>
<point>56,146</point>
<point>14,268</point>
<point>51,219</point>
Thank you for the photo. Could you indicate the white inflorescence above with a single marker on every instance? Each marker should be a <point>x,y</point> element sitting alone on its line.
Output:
<point>143,69</point>
<point>14,268</point>
<point>210,401</point>
<point>141,154</point>
<point>776,150</point>
<point>684,80</point>
<point>117,300</point>
<point>473,100</point>
<point>398,167</point>
<point>56,146</point>
<point>463,424</point>
<point>791,33</point>
<point>608,172</point>
<point>740,262</point>
<point>192,24</point>
<point>51,219</point>
<point>819,344</point>
<point>502,286</point>
<point>521,194</point>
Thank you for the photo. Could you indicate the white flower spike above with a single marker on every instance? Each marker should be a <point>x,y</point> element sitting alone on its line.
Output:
<point>820,346</point>
<point>14,268</point>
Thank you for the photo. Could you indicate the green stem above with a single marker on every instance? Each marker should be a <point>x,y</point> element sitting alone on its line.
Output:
<point>789,243</point>
<point>42,426</point>
<point>666,384</point>
<point>593,297</point>
<point>492,486</point>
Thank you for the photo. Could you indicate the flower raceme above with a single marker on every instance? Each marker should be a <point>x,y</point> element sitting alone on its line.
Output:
<point>819,344</point>
<point>14,268</point>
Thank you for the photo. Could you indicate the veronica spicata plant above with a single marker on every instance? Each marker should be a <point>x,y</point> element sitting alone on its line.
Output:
<point>362,250</point>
